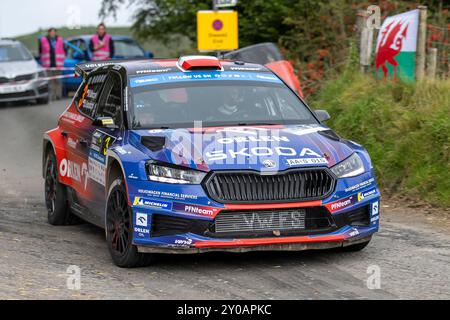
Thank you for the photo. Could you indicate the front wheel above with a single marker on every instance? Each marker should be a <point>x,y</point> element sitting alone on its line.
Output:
<point>119,229</point>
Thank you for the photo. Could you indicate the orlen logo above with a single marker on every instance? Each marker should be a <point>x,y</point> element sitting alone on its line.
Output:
<point>73,170</point>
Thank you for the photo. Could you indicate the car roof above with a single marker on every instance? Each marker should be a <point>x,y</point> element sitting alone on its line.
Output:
<point>6,41</point>
<point>143,67</point>
<point>87,37</point>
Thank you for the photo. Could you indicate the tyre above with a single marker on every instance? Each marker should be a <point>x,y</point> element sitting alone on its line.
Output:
<point>355,247</point>
<point>119,229</point>
<point>55,194</point>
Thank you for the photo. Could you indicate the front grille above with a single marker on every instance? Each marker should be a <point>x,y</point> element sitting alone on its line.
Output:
<point>15,95</point>
<point>4,80</point>
<point>269,222</point>
<point>25,77</point>
<point>261,221</point>
<point>251,187</point>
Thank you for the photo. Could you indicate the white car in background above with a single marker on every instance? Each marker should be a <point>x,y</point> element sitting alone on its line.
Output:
<point>21,77</point>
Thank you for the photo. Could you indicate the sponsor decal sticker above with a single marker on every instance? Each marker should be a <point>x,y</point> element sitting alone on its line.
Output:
<point>341,204</point>
<point>183,242</point>
<point>193,209</point>
<point>361,185</point>
<point>367,194</point>
<point>74,171</point>
<point>141,232</point>
<point>375,208</point>
<point>144,202</point>
<point>353,233</point>
<point>141,219</point>
<point>167,195</point>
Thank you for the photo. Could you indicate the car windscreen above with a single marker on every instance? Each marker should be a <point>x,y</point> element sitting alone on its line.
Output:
<point>14,52</point>
<point>214,103</point>
<point>127,48</point>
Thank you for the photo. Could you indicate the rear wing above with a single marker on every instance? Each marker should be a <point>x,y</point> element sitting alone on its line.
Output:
<point>83,69</point>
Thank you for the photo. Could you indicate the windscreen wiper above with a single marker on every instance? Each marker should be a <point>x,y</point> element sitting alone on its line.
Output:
<point>242,124</point>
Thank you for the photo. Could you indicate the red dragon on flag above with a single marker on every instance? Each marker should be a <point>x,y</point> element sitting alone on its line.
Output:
<point>390,46</point>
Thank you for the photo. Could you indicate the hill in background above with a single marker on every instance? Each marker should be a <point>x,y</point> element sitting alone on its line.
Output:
<point>172,49</point>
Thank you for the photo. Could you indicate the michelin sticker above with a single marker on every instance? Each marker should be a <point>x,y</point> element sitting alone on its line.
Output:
<point>148,203</point>
<point>367,194</point>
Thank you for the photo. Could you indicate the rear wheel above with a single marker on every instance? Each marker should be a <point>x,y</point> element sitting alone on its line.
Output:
<point>55,194</point>
<point>119,229</point>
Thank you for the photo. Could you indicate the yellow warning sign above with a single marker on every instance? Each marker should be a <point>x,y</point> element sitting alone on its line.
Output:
<point>217,30</point>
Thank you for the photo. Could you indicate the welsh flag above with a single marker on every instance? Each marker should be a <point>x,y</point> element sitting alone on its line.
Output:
<point>396,47</point>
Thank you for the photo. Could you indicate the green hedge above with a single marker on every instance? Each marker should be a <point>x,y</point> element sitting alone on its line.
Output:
<point>405,128</point>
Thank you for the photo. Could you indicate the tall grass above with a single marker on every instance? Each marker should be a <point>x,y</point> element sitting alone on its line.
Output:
<point>404,126</point>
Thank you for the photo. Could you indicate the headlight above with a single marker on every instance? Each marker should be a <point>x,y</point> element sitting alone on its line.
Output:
<point>41,74</point>
<point>165,174</point>
<point>350,167</point>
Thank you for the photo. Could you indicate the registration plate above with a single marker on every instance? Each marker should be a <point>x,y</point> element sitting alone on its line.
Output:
<point>11,89</point>
<point>261,221</point>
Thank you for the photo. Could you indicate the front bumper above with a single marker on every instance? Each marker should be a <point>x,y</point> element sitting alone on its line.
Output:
<point>237,247</point>
<point>182,219</point>
<point>31,90</point>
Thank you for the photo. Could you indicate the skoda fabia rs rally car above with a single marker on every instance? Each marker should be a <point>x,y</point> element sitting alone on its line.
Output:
<point>199,154</point>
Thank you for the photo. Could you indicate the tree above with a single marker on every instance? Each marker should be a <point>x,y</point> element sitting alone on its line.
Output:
<point>259,20</point>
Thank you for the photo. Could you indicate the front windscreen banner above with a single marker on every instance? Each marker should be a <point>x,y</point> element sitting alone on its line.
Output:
<point>262,53</point>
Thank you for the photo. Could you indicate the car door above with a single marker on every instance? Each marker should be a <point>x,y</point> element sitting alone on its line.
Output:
<point>78,146</point>
<point>109,106</point>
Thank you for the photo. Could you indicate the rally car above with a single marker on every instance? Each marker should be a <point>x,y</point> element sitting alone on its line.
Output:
<point>200,154</point>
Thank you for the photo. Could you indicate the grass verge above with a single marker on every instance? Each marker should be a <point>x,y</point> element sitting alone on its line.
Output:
<point>404,126</point>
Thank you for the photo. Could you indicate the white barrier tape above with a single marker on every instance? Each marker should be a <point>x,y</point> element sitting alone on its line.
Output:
<point>59,69</point>
<point>63,76</point>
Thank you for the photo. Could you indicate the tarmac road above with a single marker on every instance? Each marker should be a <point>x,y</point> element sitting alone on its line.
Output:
<point>412,254</point>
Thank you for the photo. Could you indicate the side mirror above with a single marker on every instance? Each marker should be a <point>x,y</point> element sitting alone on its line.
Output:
<point>104,122</point>
<point>149,54</point>
<point>322,115</point>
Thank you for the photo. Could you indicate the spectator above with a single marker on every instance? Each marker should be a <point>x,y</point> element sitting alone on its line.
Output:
<point>102,45</point>
<point>52,55</point>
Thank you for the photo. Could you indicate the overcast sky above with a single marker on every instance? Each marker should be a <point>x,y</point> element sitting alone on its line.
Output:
<point>18,17</point>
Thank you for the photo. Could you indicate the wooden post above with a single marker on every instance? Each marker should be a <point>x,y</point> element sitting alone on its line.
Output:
<point>365,42</point>
<point>421,43</point>
<point>432,62</point>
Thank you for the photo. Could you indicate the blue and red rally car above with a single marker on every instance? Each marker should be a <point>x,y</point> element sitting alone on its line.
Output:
<point>201,154</point>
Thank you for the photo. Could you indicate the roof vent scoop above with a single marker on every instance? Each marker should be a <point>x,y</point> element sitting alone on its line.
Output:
<point>193,63</point>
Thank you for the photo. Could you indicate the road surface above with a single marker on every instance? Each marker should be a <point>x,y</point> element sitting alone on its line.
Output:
<point>412,251</point>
